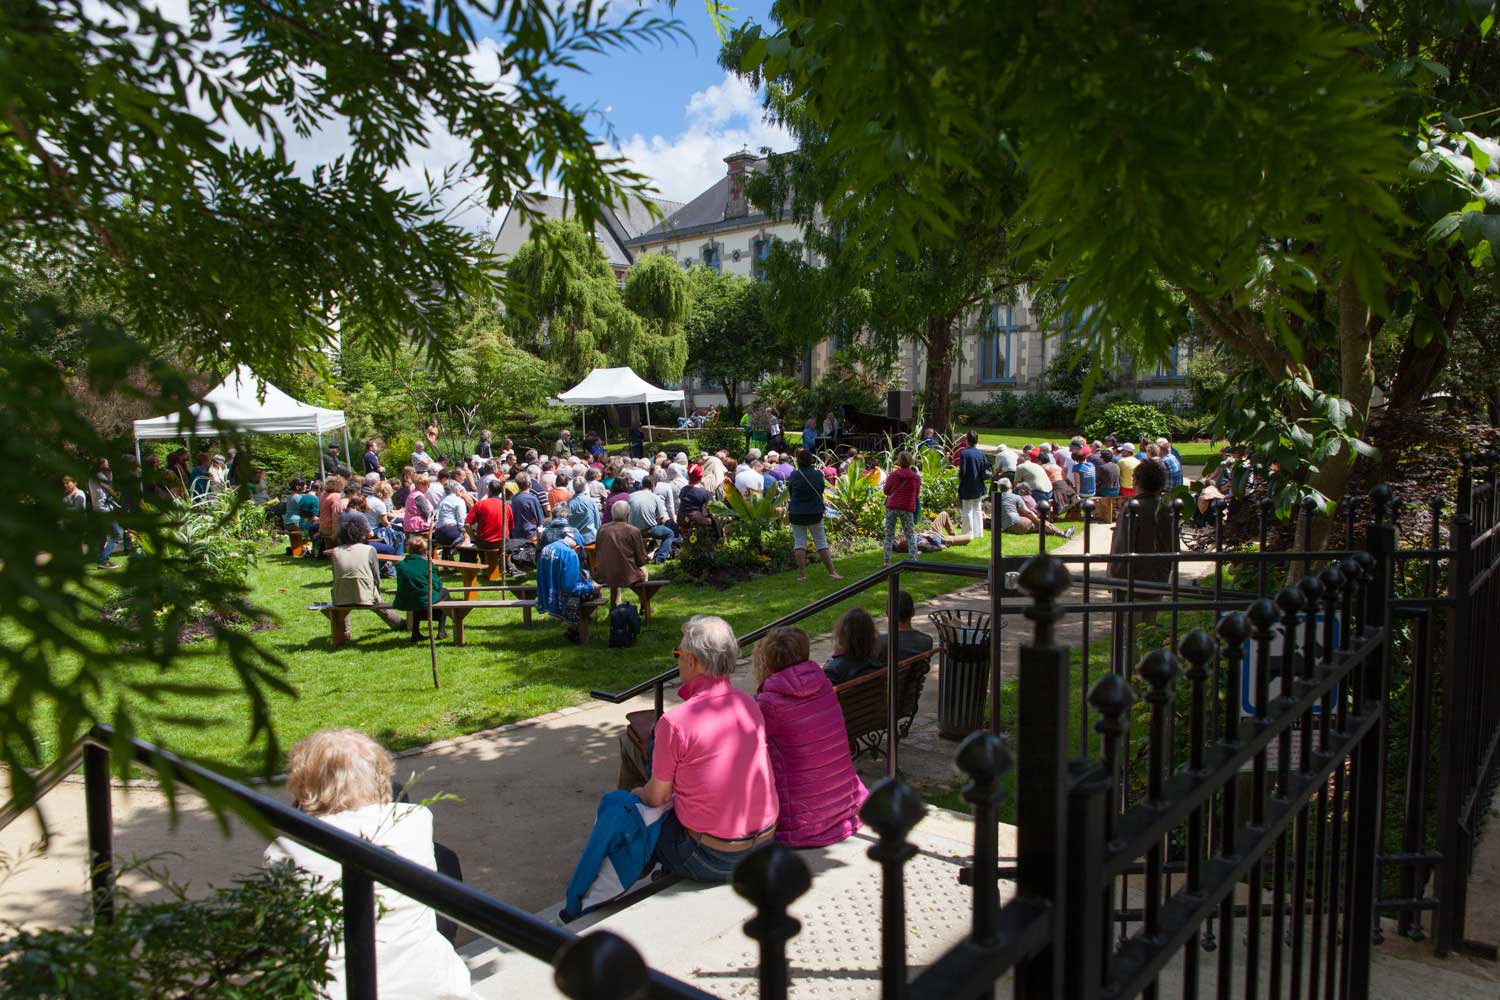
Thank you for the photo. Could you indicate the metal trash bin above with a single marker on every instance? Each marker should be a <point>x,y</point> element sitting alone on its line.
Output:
<point>964,678</point>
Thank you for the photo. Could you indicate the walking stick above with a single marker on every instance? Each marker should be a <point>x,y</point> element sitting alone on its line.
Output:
<point>431,571</point>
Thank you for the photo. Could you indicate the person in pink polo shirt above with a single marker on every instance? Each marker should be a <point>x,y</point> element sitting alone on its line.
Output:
<point>709,759</point>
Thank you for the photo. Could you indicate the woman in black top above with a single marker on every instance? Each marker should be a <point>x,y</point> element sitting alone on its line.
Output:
<point>805,509</point>
<point>692,502</point>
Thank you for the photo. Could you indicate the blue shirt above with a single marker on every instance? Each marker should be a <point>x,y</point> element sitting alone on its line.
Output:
<point>1174,470</point>
<point>526,510</point>
<point>809,438</point>
<point>583,517</point>
<point>1086,478</point>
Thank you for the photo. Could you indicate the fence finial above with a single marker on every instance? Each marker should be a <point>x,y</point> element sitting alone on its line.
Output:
<point>984,757</point>
<point>600,966</point>
<point>1112,697</point>
<point>771,877</point>
<point>1263,614</point>
<point>1291,601</point>
<point>1197,647</point>
<point>1045,579</point>
<point>1312,590</point>
<point>1380,497</point>
<point>892,809</point>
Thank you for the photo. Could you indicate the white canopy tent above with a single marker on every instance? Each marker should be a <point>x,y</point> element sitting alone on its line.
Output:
<point>617,387</point>
<point>245,402</point>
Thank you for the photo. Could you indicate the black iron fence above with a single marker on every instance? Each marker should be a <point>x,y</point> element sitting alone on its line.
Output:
<point>1253,810</point>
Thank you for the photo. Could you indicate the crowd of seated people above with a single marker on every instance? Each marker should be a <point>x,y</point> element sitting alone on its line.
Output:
<point>737,769</point>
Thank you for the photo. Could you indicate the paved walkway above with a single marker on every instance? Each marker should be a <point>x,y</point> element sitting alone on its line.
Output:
<point>529,793</point>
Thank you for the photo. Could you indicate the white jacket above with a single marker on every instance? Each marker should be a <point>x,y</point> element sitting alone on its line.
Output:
<point>413,961</point>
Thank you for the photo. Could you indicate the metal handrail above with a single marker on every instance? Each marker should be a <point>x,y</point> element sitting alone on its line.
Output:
<point>364,863</point>
<point>45,780</point>
<point>807,611</point>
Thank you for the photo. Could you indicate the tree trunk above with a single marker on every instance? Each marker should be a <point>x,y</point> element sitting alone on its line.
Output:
<point>937,390</point>
<point>1418,368</point>
<point>731,394</point>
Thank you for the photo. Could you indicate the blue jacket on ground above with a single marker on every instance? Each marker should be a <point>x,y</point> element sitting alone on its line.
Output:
<point>620,837</point>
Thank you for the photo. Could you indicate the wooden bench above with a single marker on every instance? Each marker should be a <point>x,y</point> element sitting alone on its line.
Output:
<point>296,545</point>
<point>643,590</point>
<point>338,617</point>
<point>863,701</point>
<point>459,610</point>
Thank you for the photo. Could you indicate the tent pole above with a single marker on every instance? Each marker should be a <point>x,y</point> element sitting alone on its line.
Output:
<point>650,436</point>
<point>348,455</point>
<point>137,455</point>
<point>322,471</point>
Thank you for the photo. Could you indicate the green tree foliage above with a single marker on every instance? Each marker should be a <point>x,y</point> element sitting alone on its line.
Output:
<point>921,291</point>
<point>1267,196</point>
<point>569,311</point>
<point>486,377</point>
<point>729,339</point>
<point>657,292</point>
<point>1127,422</point>
<point>144,168</point>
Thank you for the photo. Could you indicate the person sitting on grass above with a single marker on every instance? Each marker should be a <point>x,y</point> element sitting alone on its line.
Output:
<point>817,789</point>
<point>417,586</point>
<point>1016,518</point>
<point>708,757</point>
<point>856,647</point>
<point>343,777</point>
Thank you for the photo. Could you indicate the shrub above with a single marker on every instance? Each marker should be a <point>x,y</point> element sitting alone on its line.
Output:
<point>1001,409</point>
<point>939,482</point>
<point>1042,409</point>
<point>1127,422</point>
<point>728,438</point>
<point>860,505</point>
<point>787,396</point>
<point>702,559</point>
<point>266,938</point>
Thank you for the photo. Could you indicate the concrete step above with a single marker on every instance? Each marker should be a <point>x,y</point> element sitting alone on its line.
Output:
<point>695,932</point>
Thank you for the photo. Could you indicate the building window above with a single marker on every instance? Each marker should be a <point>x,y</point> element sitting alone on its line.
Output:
<point>760,250</point>
<point>710,256</point>
<point>997,343</point>
<point>1167,370</point>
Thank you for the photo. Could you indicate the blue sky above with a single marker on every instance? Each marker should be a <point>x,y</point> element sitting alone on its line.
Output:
<point>674,112</point>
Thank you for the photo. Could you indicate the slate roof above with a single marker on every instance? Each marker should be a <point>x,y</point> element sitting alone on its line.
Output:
<point>704,214</point>
<point>613,232</point>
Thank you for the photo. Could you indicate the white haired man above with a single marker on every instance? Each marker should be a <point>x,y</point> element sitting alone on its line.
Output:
<point>708,757</point>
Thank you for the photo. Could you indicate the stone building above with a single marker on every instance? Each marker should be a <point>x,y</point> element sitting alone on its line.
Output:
<point>1001,346</point>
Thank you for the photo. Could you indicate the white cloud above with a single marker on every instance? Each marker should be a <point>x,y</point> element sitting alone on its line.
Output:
<point>721,118</point>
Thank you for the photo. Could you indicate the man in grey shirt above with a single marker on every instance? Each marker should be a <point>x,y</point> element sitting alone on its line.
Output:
<point>648,512</point>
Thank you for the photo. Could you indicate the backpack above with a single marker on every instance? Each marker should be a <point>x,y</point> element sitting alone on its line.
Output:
<point>624,625</point>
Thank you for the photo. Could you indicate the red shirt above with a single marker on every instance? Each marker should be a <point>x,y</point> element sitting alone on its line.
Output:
<point>902,487</point>
<point>491,519</point>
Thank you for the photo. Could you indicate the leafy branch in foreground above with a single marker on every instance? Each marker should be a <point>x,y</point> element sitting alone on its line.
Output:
<point>146,168</point>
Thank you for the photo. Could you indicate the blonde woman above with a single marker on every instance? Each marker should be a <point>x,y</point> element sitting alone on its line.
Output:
<point>343,777</point>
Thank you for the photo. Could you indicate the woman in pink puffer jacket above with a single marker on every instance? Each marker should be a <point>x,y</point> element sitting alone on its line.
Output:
<point>819,791</point>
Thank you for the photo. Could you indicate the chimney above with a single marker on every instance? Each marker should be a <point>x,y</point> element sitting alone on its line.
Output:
<point>735,206</point>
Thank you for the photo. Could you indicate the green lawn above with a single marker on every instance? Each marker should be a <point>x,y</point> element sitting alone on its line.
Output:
<point>505,673</point>
<point>1195,454</point>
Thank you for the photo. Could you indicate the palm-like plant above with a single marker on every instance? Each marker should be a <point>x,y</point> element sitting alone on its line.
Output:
<point>757,514</point>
